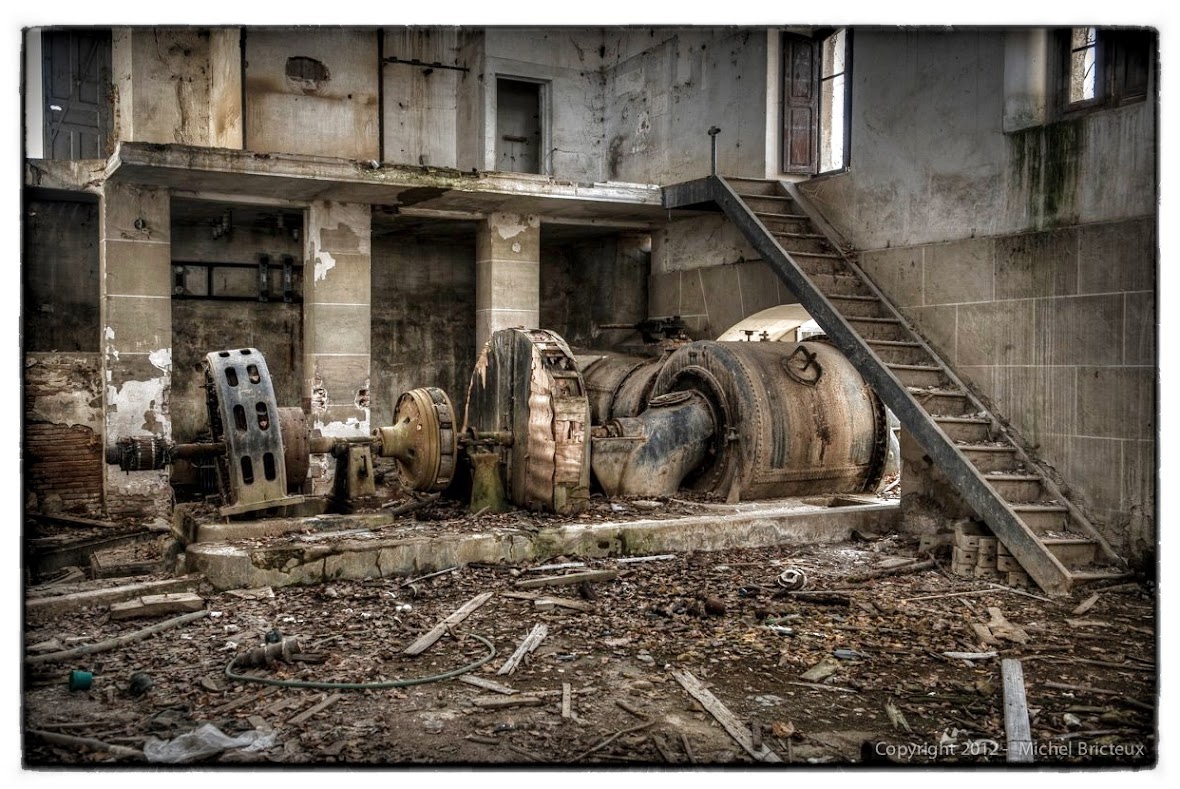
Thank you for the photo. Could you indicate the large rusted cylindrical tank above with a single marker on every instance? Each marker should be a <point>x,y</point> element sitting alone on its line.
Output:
<point>792,419</point>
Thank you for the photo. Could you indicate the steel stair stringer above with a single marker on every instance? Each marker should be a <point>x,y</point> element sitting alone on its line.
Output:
<point>1041,564</point>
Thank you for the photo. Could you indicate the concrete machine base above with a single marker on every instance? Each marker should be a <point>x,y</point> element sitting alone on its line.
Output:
<point>300,551</point>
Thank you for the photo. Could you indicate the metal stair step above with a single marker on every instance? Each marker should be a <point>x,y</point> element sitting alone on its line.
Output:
<point>879,328</point>
<point>1081,577</point>
<point>840,284</point>
<point>859,306</point>
<point>920,375</point>
<point>754,186</point>
<point>1017,488</point>
<point>768,203</point>
<point>942,402</point>
<point>966,430</point>
<point>1072,552</point>
<point>801,223</point>
<point>903,352</point>
<point>818,264</point>
<point>990,458</point>
<point>1042,518</point>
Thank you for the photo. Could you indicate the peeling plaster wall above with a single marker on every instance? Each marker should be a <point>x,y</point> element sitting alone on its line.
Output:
<point>335,116</point>
<point>162,79</point>
<point>62,457</point>
<point>666,87</point>
<point>136,337</point>
<point>337,333</point>
<point>1028,259</point>
<point>423,319</point>
<point>569,63</point>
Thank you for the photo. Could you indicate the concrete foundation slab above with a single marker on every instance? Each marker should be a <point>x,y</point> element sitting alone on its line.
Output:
<point>244,555</point>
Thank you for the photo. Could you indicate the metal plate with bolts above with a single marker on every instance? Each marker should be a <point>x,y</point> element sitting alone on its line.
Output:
<point>243,413</point>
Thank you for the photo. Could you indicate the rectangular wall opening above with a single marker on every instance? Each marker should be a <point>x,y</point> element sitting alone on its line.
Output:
<point>518,126</point>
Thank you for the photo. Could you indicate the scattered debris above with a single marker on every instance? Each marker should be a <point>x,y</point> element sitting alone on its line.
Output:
<point>115,643</point>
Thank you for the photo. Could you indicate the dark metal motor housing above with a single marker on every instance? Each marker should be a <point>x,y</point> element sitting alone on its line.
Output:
<point>792,419</point>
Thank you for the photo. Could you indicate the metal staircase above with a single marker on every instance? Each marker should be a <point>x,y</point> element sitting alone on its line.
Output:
<point>1047,534</point>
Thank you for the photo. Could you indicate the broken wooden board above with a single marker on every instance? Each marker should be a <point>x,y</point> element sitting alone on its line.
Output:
<point>435,633</point>
<point>730,722</point>
<point>1087,604</point>
<point>487,684</point>
<point>503,702</point>
<point>549,603</point>
<point>1016,724</point>
<point>530,642</point>
<point>570,578</point>
<point>59,604</point>
<point>155,604</point>
<point>323,705</point>
<point>1002,628</point>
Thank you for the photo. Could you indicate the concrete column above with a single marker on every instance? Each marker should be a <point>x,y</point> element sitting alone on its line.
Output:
<point>336,334</point>
<point>507,274</point>
<point>136,342</point>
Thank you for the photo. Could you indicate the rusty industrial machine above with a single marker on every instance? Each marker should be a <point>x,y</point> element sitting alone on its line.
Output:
<point>741,420</point>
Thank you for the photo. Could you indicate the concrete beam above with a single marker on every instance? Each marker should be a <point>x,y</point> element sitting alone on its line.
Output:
<point>308,178</point>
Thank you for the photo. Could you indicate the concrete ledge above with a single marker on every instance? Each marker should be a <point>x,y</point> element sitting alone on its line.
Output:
<point>227,565</point>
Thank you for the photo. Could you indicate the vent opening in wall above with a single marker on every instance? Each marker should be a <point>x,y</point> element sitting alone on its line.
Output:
<point>307,72</point>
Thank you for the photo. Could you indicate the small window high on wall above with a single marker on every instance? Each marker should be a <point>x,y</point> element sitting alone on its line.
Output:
<point>816,98</point>
<point>834,102</point>
<point>1106,67</point>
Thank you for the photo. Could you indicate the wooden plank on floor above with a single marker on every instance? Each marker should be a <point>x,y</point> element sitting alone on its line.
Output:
<point>730,722</point>
<point>435,633</point>
<point>570,578</point>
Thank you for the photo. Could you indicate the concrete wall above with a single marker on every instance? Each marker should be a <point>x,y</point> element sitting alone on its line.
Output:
<point>422,102</point>
<point>423,319</point>
<point>60,276</point>
<point>1028,259</point>
<point>225,87</point>
<point>589,283</point>
<point>703,270</point>
<point>334,116</point>
<point>162,80</point>
<point>568,62</point>
<point>666,87</point>
<point>201,326</point>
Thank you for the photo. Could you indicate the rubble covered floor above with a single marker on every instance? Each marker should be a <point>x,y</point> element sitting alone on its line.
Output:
<point>844,672</point>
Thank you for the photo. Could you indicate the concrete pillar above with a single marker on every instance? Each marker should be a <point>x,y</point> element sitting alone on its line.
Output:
<point>136,343</point>
<point>507,274</point>
<point>336,334</point>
